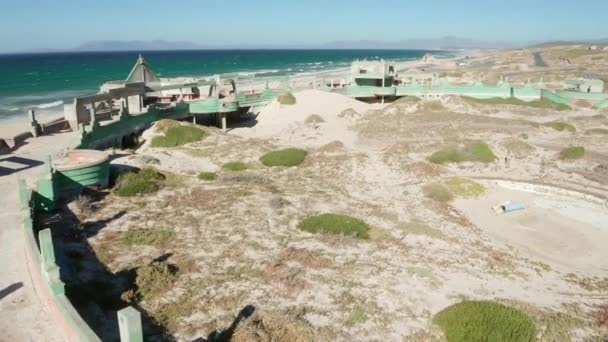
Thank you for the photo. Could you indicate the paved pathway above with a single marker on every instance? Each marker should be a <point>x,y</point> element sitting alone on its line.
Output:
<point>23,317</point>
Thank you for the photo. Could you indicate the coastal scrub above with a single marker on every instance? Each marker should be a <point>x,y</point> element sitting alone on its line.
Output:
<point>147,180</point>
<point>335,224</point>
<point>235,166</point>
<point>542,103</point>
<point>474,152</point>
<point>484,321</point>
<point>288,157</point>
<point>179,135</point>
<point>572,153</point>
<point>287,99</point>
<point>438,192</point>
<point>465,188</point>
<point>561,126</point>
<point>208,176</point>
<point>148,237</point>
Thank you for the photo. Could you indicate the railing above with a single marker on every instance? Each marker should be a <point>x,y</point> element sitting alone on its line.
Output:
<point>575,95</point>
<point>554,97</point>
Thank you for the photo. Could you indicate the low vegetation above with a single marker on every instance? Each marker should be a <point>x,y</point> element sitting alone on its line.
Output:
<point>208,176</point>
<point>314,118</point>
<point>287,99</point>
<point>561,126</point>
<point>148,237</point>
<point>484,321</point>
<point>273,326</point>
<point>335,224</point>
<point>288,157</point>
<point>154,279</point>
<point>474,152</point>
<point>542,103</point>
<point>438,192</point>
<point>164,124</point>
<point>147,180</point>
<point>572,153</point>
<point>466,188</point>
<point>170,314</point>
<point>179,135</point>
<point>235,166</point>
<point>518,148</point>
<point>418,227</point>
<point>597,131</point>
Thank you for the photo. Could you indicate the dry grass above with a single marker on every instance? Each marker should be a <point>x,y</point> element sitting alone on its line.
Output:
<point>148,237</point>
<point>313,119</point>
<point>418,227</point>
<point>154,279</point>
<point>171,314</point>
<point>465,188</point>
<point>275,326</point>
<point>438,192</point>
<point>572,153</point>
<point>518,149</point>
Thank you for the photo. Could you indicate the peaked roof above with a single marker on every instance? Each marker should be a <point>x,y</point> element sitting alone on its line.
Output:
<point>142,72</point>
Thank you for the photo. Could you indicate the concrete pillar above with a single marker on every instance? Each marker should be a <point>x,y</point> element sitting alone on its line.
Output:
<point>50,270</point>
<point>34,126</point>
<point>126,103</point>
<point>129,325</point>
<point>223,116</point>
<point>93,120</point>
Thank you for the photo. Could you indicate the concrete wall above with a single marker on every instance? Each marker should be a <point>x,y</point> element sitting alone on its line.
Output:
<point>44,271</point>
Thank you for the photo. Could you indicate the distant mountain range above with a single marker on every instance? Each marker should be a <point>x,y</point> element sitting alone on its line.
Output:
<point>137,45</point>
<point>444,43</point>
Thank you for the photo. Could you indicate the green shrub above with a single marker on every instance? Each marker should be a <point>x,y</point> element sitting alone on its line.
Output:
<point>164,124</point>
<point>208,176</point>
<point>542,103</point>
<point>147,180</point>
<point>170,314</point>
<point>154,279</point>
<point>475,152</point>
<point>335,224</point>
<point>438,192</point>
<point>561,126</point>
<point>148,237</point>
<point>178,136</point>
<point>235,166</point>
<point>573,152</point>
<point>287,157</point>
<point>287,99</point>
<point>484,321</point>
<point>466,188</point>
<point>314,118</point>
<point>597,131</point>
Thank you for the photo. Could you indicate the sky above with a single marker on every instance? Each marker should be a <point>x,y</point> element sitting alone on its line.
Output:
<point>65,24</point>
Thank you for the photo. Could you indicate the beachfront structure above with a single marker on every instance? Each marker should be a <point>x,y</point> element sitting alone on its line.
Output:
<point>417,77</point>
<point>585,85</point>
<point>373,73</point>
<point>126,107</point>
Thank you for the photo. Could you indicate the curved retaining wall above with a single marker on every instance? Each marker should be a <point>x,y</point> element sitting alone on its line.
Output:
<point>45,276</point>
<point>45,273</point>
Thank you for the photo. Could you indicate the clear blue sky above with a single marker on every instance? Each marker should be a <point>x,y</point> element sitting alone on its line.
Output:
<point>63,24</point>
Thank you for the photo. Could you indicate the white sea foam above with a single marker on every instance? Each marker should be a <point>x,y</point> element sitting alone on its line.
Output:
<point>49,105</point>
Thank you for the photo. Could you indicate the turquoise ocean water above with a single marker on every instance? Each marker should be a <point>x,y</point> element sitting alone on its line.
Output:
<point>44,81</point>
